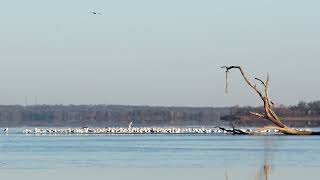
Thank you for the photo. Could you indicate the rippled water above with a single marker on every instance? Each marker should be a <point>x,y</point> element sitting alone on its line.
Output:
<point>60,152</point>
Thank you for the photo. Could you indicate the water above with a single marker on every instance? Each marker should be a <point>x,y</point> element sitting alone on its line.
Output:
<point>109,153</point>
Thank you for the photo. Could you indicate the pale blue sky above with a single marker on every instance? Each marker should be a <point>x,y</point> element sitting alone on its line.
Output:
<point>164,52</point>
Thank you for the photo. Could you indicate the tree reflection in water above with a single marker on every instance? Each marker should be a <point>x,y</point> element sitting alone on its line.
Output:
<point>264,172</point>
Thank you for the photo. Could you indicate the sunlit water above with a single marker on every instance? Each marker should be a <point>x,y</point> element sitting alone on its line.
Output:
<point>29,153</point>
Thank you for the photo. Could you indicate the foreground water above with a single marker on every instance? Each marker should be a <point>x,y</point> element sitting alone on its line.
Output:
<point>203,156</point>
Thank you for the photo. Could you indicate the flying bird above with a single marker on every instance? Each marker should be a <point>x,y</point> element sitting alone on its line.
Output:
<point>95,13</point>
<point>6,130</point>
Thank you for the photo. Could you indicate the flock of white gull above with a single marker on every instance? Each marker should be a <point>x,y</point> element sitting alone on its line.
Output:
<point>130,130</point>
<point>137,130</point>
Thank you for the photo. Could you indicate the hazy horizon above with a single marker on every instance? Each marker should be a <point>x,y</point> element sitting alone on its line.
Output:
<point>33,104</point>
<point>159,53</point>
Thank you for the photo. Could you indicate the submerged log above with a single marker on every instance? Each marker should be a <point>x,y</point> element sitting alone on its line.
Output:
<point>234,131</point>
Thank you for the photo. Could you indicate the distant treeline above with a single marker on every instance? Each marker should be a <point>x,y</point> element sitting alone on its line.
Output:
<point>109,115</point>
<point>302,114</point>
<point>301,109</point>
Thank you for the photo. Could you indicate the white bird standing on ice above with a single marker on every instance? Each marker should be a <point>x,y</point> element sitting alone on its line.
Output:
<point>130,124</point>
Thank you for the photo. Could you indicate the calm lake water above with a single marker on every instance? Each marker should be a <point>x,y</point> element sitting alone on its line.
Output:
<point>112,154</point>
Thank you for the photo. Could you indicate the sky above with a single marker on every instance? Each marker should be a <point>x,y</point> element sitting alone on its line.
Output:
<point>159,53</point>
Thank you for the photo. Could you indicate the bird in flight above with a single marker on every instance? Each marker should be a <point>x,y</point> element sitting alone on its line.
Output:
<point>95,13</point>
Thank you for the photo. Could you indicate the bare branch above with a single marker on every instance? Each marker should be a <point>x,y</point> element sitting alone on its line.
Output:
<point>227,79</point>
<point>254,87</point>
<point>266,90</point>
<point>227,82</point>
<point>260,81</point>
<point>257,114</point>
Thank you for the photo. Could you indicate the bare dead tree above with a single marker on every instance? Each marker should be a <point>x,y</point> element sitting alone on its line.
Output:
<point>268,114</point>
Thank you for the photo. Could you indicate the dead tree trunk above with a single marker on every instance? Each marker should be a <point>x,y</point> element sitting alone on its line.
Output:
<point>269,114</point>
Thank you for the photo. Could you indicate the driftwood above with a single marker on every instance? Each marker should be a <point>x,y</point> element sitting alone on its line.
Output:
<point>268,114</point>
<point>233,131</point>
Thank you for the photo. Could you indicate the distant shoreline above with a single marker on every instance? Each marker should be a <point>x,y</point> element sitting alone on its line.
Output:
<point>149,116</point>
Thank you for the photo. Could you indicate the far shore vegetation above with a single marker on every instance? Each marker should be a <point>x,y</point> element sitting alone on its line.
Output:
<point>303,114</point>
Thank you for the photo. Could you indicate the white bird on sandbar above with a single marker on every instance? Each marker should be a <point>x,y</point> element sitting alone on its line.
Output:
<point>130,125</point>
